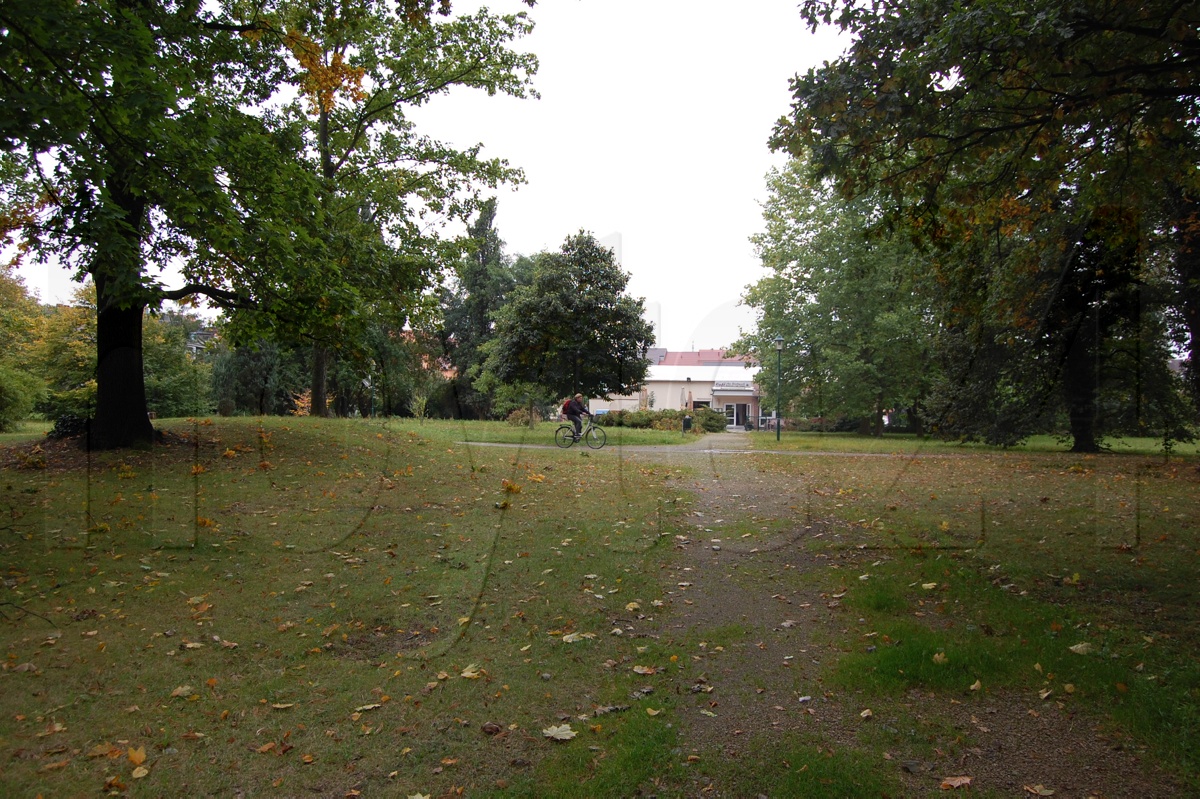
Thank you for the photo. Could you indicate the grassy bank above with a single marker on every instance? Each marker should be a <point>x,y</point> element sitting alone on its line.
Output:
<point>296,606</point>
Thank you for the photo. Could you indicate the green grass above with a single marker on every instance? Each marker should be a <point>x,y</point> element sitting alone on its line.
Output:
<point>541,434</point>
<point>267,590</point>
<point>299,606</point>
<point>908,444</point>
<point>27,431</point>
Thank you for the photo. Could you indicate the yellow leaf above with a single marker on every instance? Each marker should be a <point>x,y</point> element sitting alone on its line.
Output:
<point>950,783</point>
<point>560,733</point>
<point>471,672</point>
<point>137,756</point>
<point>939,658</point>
<point>652,712</point>
<point>267,747</point>
<point>975,686</point>
<point>140,771</point>
<point>183,690</point>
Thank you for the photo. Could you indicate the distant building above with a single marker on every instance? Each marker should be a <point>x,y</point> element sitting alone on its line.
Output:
<point>687,380</point>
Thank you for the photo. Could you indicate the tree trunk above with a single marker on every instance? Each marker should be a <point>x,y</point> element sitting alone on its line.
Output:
<point>121,418</point>
<point>1187,281</point>
<point>121,415</point>
<point>1080,387</point>
<point>320,399</point>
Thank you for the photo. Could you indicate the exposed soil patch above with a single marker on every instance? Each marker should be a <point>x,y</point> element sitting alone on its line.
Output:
<point>761,673</point>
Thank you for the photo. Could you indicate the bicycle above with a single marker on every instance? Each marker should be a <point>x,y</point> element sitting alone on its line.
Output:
<point>593,435</point>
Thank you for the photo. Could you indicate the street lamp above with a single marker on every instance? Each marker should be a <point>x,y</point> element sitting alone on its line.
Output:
<point>778,383</point>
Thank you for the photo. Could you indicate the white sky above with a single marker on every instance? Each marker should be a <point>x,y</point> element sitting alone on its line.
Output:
<point>651,130</point>
<point>652,125</point>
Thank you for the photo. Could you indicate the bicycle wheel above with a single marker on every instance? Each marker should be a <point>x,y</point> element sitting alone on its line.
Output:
<point>564,436</point>
<point>596,437</point>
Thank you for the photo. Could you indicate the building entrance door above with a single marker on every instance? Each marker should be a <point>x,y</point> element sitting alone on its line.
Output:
<point>736,414</point>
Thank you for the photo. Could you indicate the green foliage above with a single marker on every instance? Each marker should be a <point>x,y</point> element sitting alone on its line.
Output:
<point>172,146</point>
<point>484,277</point>
<point>257,380</point>
<point>176,384</point>
<point>703,419</point>
<point>21,324</point>
<point>571,330</point>
<point>991,132</point>
<point>19,392</point>
<point>851,309</point>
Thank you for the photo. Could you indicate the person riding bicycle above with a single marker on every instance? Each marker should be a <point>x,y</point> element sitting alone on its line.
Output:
<point>575,412</point>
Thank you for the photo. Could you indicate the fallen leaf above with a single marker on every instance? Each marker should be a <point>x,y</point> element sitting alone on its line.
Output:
<point>471,672</point>
<point>866,714</point>
<point>60,764</point>
<point>652,712</point>
<point>365,708</point>
<point>139,772</point>
<point>939,658</point>
<point>975,686</point>
<point>1081,649</point>
<point>1039,790</point>
<point>267,747</point>
<point>104,750</point>
<point>571,638</point>
<point>137,756</point>
<point>950,783</point>
<point>183,690</point>
<point>645,670</point>
<point>562,732</point>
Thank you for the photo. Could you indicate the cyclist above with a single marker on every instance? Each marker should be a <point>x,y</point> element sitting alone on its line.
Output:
<point>575,412</point>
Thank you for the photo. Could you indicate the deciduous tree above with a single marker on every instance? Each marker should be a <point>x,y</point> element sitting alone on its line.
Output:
<point>571,330</point>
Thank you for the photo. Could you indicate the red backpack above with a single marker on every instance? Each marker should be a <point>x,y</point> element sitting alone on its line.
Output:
<point>566,405</point>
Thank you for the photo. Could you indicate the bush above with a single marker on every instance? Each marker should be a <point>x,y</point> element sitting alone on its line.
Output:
<point>68,425</point>
<point>709,420</point>
<point>520,417</point>
<point>18,394</point>
<point>703,419</point>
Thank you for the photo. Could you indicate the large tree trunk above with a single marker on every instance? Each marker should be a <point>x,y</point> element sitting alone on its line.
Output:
<point>121,419</point>
<point>1081,385</point>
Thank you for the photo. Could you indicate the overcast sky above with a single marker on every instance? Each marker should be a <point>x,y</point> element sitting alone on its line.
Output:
<point>652,126</point>
<point>651,131</point>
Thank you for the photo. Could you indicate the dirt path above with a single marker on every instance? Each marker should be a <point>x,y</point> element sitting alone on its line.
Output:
<point>762,642</point>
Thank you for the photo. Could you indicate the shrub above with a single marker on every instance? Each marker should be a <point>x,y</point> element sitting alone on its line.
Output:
<point>709,420</point>
<point>520,417</point>
<point>68,425</point>
<point>18,394</point>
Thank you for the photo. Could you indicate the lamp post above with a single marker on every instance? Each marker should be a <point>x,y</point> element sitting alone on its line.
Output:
<point>778,383</point>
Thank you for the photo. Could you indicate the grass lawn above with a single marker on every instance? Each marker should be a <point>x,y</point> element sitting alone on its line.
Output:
<point>541,434</point>
<point>26,431</point>
<point>906,443</point>
<point>290,606</point>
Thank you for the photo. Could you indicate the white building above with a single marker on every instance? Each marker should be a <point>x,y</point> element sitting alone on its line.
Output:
<point>687,380</point>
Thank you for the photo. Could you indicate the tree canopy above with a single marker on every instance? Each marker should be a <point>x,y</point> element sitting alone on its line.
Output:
<point>848,306</point>
<point>140,135</point>
<point>571,330</point>
<point>1062,134</point>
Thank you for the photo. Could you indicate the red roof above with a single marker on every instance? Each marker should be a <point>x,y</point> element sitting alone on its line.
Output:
<point>701,358</point>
